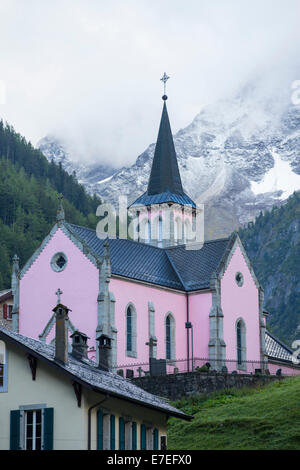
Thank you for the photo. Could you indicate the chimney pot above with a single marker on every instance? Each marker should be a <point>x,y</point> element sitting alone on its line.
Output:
<point>105,359</point>
<point>61,333</point>
<point>79,345</point>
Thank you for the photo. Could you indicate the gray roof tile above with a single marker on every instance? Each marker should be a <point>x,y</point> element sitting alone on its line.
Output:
<point>87,372</point>
<point>175,267</point>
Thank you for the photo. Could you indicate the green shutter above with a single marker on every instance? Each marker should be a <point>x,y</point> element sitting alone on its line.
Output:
<point>121,434</point>
<point>143,437</point>
<point>99,430</point>
<point>48,428</point>
<point>155,439</point>
<point>112,432</point>
<point>15,416</point>
<point>134,436</point>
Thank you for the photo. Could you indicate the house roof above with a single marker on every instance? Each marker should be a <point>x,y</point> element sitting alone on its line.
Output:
<point>5,295</point>
<point>165,182</point>
<point>276,349</point>
<point>175,267</point>
<point>86,373</point>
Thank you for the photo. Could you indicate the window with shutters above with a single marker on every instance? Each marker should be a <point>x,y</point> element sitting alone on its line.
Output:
<point>33,430</point>
<point>112,432</point>
<point>5,311</point>
<point>121,434</point>
<point>134,436</point>
<point>10,308</point>
<point>143,437</point>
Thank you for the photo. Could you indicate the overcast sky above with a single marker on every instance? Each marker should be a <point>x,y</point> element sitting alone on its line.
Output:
<point>89,70</point>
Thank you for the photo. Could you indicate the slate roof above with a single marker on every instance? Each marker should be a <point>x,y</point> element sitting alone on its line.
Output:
<point>276,349</point>
<point>165,182</point>
<point>5,294</point>
<point>175,267</point>
<point>87,374</point>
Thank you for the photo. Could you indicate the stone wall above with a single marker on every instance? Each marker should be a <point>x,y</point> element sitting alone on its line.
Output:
<point>176,386</point>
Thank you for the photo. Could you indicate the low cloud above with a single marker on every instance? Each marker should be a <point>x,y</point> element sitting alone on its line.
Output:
<point>88,71</point>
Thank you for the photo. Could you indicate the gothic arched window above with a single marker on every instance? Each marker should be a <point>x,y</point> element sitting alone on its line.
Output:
<point>130,331</point>
<point>241,344</point>
<point>170,337</point>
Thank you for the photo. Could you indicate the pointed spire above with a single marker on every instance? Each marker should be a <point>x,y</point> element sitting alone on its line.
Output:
<point>165,174</point>
<point>60,215</point>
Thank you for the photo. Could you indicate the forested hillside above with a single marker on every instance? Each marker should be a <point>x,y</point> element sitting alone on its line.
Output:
<point>29,188</point>
<point>273,245</point>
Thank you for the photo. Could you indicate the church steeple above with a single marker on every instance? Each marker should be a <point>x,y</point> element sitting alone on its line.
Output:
<point>165,176</point>
<point>165,213</point>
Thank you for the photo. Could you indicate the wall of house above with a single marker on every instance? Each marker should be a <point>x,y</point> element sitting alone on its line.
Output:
<point>55,390</point>
<point>240,302</point>
<point>78,281</point>
<point>50,388</point>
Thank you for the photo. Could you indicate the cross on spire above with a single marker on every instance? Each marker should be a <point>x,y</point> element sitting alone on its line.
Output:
<point>58,293</point>
<point>164,79</point>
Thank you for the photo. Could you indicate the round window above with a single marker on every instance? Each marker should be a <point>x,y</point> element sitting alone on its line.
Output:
<point>59,262</point>
<point>239,278</point>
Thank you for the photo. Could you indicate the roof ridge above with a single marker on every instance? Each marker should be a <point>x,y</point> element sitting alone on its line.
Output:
<point>176,271</point>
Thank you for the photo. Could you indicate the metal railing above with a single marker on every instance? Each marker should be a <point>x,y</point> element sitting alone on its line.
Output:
<point>201,365</point>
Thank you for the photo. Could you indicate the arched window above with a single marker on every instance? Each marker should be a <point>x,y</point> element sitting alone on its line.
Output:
<point>186,231</point>
<point>160,232</point>
<point>3,367</point>
<point>130,331</point>
<point>241,344</point>
<point>145,230</point>
<point>178,230</point>
<point>170,337</point>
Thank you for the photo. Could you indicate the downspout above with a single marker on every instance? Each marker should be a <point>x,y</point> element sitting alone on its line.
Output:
<point>89,418</point>
<point>187,331</point>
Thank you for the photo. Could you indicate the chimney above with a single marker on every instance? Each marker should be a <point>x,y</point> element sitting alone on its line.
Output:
<point>61,333</point>
<point>79,345</point>
<point>105,352</point>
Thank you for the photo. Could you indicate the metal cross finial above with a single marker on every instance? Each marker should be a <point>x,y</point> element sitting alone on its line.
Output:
<point>164,79</point>
<point>58,293</point>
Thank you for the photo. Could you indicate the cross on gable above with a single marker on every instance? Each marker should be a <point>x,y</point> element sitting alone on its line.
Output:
<point>58,293</point>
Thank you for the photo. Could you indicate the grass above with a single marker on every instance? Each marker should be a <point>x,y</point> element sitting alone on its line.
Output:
<point>265,418</point>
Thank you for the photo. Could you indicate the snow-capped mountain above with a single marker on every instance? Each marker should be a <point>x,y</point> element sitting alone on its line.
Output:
<point>88,175</point>
<point>238,157</point>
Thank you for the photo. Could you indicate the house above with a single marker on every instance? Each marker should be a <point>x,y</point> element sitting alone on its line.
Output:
<point>154,297</point>
<point>6,306</point>
<point>53,399</point>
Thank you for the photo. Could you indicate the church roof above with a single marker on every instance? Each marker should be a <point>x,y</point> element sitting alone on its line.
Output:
<point>175,267</point>
<point>165,181</point>
<point>276,349</point>
<point>86,373</point>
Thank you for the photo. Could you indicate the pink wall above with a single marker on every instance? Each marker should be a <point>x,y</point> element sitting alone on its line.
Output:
<point>240,302</point>
<point>285,370</point>
<point>78,281</point>
<point>200,305</point>
<point>164,302</point>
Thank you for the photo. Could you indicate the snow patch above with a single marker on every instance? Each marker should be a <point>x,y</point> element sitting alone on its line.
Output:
<point>280,178</point>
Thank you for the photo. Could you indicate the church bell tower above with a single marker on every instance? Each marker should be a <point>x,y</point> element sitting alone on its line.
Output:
<point>165,214</point>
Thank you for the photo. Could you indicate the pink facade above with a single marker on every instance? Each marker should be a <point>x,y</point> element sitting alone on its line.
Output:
<point>79,282</point>
<point>240,302</point>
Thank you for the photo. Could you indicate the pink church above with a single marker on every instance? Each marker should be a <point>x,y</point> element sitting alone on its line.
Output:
<point>155,297</point>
